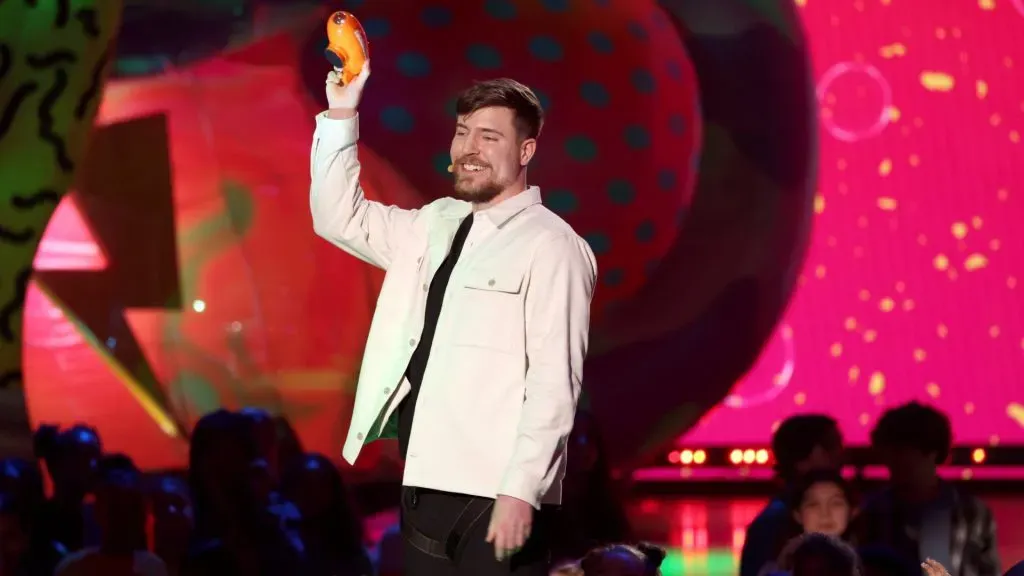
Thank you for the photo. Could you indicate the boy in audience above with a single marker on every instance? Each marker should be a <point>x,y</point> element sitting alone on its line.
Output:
<point>918,515</point>
<point>802,444</point>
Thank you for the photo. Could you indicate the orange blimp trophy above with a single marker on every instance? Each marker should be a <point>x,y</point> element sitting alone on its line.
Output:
<point>347,49</point>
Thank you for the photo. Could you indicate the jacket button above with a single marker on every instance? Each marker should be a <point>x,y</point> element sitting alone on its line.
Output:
<point>426,287</point>
<point>359,436</point>
<point>490,282</point>
<point>387,390</point>
<point>412,341</point>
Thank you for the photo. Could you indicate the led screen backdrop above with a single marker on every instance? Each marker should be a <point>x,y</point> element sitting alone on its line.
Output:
<point>909,288</point>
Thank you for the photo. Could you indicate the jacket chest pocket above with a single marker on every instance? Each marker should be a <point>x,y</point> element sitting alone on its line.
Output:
<point>490,310</point>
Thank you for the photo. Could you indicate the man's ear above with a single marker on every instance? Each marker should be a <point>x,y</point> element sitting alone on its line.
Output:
<point>527,150</point>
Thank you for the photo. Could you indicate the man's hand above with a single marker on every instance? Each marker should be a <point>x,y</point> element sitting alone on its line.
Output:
<point>511,521</point>
<point>933,568</point>
<point>346,97</point>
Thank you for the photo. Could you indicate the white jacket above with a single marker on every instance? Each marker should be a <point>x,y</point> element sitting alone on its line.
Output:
<point>499,394</point>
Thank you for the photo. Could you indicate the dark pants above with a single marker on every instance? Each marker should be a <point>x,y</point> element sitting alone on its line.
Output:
<point>433,514</point>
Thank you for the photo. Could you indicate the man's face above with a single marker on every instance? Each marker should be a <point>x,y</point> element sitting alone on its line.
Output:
<point>487,154</point>
<point>908,467</point>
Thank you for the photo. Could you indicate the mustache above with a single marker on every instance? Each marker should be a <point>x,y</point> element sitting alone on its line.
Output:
<point>472,160</point>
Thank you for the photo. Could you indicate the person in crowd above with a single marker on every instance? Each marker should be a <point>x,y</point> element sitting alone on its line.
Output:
<point>171,507</point>
<point>816,554</point>
<point>882,561</point>
<point>23,480</point>
<point>235,532</point>
<point>918,515</point>
<point>331,529</point>
<point>121,513</point>
<point>290,450</point>
<point>592,513</point>
<point>801,444</point>
<point>22,551</point>
<point>617,560</point>
<point>71,457</point>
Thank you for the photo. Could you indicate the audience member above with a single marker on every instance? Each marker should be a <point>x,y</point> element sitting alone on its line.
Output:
<point>823,502</point>
<point>801,444</point>
<point>882,561</point>
<point>121,513</point>
<point>172,521</point>
<point>918,515</point>
<point>592,513</point>
<point>23,552</point>
<point>817,554</point>
<point>331,529</point>
<point>621,560</point>
<point>71,457</point>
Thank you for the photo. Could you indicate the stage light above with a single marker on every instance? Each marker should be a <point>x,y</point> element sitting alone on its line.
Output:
<point>736,456</point>
<point>762,456</point>
<point>673,457</point>
<point>978,456</point>
<point>749,456</point>
<point>700,457</point>
<point>686,457</point>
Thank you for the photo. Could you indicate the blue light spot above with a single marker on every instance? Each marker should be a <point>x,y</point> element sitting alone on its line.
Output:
<point>555,5</point>
<point>546,48</point>
<point>376,27</point>
<point>500,9</point>
<point>614,277</point>
<point>599,242</point>
<point>397,119</point>
<point>600,42</point>
<point>602,3</point>
<point>436,16</point>
<point>581,148</point>
<point>413,65</point>
<point>561,202</point>
<point>667,179</point>
<point>595,94</point>
<point>637,137</point>
<point>621,192</point>
<point>676,124</point>
<point>637,30</point>
<point>644,231</point>
<point>675,71</point>
<point>441,161</point>
<point>484,56</point>
<point>642,80</point>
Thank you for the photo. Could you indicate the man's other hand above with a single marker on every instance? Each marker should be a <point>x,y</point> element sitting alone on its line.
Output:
<point>511,521</point>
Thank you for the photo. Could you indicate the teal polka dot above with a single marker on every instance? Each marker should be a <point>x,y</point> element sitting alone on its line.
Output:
<point>413,65</point>
<point>600,42</point>
<point>644,231</point>
<point>397,119</point>
<point>500,9</point>
<point>545,100</point>
<point>676,124</point>
<point>546,49</point>
<point>484,56</point>
<point>581,148</point>
<point>441,161</point>
<point>621,192</point>
<point>674,70</point>
<point>561,201</point>
<point>636,30</point>
<point>695,161</point>
<point>436,16</point>
<point>601,3</point>
<point>637,137</point>
<point>595,94</point>
<point>599,242</point>
<point>667,179</point>
<point>354,4</point>
<point>642,80</point>
<point>614,277</point>
<point>376,27</point>
<point>556,5</point>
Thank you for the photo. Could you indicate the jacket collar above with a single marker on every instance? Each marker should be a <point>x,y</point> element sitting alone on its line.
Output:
<point>498,214</point>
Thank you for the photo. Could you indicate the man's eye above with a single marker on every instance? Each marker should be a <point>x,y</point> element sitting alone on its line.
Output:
<point>490,139</point>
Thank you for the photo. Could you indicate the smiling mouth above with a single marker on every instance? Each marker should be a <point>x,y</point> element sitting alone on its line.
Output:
<point>472,168</point>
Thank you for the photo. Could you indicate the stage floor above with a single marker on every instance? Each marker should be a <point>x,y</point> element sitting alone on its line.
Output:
<point>704,536</point>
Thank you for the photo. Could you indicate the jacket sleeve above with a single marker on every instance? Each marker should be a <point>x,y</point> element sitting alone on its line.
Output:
<point>342,215</point>
<point>559,293</point>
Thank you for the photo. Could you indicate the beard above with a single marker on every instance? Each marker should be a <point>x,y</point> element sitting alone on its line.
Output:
<point>469,189</point>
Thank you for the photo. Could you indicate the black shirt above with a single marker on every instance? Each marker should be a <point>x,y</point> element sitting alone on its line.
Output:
<point>418,363</point>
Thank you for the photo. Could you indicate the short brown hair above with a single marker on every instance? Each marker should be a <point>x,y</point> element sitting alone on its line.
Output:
<point>505,93</point>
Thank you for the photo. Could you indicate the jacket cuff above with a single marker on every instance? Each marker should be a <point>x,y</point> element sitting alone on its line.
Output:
<point>334,134</point>
<point>518,484</point>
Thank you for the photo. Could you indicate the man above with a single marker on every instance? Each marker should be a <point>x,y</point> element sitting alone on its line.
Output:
<point>802,443</point>
<point>918,515</point>
<point>475,355</point>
